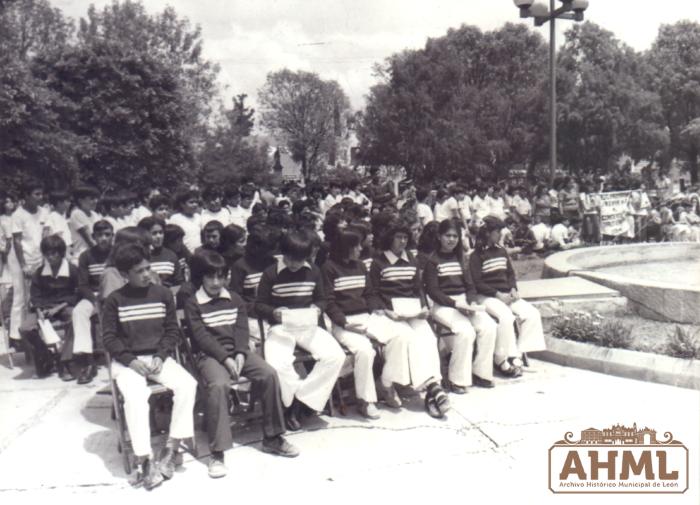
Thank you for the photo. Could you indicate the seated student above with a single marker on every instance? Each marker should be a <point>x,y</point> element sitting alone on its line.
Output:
<point>52,296</point>
<point>91,267</point>
<point>141,332</point>
<point>446,283</point>
<point>187,218</point>
<point>233,240</point>
<point>494,279</point>
<point>559,237</point>
<point>211,236</point>
<point>247,271</point>
<point>112,279</point>
<point>164,262</point>
<point>364,230</point>
<point>294,283</point>
<point>395,281</point>
<point>219,325</point>
<point>523,236</point>
<point>173,237</point>
<point>541,232</point>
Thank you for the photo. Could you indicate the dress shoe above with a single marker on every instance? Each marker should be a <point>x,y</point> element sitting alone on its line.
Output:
<point>278,445</point>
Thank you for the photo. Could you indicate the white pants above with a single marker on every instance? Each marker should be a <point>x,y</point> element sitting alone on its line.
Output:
<point>466,329</point>
<point>531,334</point>
<point>20,295</point>
<point>135,390</point>
<point>316,388</point>
<point>254,331</point>
<point>82,329</point>
<point>363,353</point>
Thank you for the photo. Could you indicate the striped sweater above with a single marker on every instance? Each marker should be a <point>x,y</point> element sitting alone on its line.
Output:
<point>139,321</point>
<point>346,285</point>
<point>219,325</point>
<point>280,287</point>
<point>166,264</point>
<point>445,276</point>
<point>245,278</point>
<point>393,277</point>
<point>91,266</point>
<point>491,271</point>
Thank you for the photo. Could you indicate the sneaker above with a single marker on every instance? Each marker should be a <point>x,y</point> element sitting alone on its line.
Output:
<point>150,475</point>
<point>390,396</point>
<point>482,383</point>
<point>279,446</point>
<point>369,410</point>
<point>166,462</point>
<point>216,468</point>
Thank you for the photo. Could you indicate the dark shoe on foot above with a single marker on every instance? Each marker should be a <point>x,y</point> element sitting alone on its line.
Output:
<point>482,383</point>
<point>65,374</point>
<point>279,446</point>
<point>291,420</point>
<point>166,463</point>
<point>86,375</point>
<point>150,475</point>
<point>456,388</point>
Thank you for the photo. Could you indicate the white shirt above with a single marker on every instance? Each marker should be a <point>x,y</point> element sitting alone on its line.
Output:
<point>480,207</point>
<point>446,210</point>
<point>223,216</point>
<point>542,233</point>
<point>31,226</point>
<point>425,215</point>
<point>496,206</point>
<point>192,228</point>
<point>522,205</point>
<point>560,234</point>
<point>138,214</point>
<point>59,226</point>
<point>464,206</point>
<point>77,221</point>
<point>239,216</point>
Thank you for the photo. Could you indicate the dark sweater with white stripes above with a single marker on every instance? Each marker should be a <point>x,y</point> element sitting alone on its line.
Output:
<point>91,266</point>
<point>219,325</point>
<point>445,276</point>
<point>280,287</point>
<point>166,264</point>
<point>400,279</point>
<point>491,271</point>
<point>347,289</point>
<point>245,278</point>
<point>139,321</point>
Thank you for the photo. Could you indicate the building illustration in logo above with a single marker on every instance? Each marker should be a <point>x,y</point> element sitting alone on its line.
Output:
<point>619,434</point>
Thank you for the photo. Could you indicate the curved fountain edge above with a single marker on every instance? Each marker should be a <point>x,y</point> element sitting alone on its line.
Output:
<point>664,301</point>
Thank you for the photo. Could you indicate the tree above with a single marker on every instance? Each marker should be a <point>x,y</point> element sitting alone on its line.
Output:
<point>229,154</point>
<point>675,58</point>
<point>306,112</point>
<point>604,108</point>
<point>470,102</point>
<point>32,142</point>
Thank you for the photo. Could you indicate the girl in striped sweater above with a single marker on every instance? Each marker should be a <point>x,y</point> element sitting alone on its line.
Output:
<point>452,295</point>
<point>395,287</point>
<point>494,279</point>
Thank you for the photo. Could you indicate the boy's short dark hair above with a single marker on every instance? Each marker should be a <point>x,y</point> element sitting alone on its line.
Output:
<point>206,262</point>
<point>31,185</point>
<point>173,232</point>
<point>53,243</point>
<point>158,201</point>
<point>393,228</point>
<point>127,256</point>
<point>102,225</point>
<point>81,192</point>
<point>111,200</point>
<point>213,225</point>
<point>212,192</point>
<point>183,196</point>
<point>57,196</point>
<point>296,244</point>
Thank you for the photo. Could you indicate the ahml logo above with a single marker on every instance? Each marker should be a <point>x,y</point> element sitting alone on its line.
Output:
<point>618,460</point>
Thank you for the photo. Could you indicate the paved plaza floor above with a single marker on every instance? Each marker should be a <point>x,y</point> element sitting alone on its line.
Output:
<point>58,445</point>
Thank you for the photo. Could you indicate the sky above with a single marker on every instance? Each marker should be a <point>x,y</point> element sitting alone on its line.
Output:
<point>343,39</point>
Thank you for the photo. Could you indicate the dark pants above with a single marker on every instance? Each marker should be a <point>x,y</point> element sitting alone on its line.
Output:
<point>34,344</point>
<point>591,228</point>
<point>265,386</point>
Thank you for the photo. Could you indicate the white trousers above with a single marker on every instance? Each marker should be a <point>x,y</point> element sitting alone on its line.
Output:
<point>135,390</point>
<point>82,329</point>
<point>20,295</point>
<point>466,329</point>
<point>316,388</point>
<point>531,334</point>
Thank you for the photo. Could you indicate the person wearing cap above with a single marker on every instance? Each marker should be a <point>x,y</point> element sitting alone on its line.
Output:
<point>494,279</point>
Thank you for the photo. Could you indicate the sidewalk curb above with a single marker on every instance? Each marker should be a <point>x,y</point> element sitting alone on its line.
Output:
<point>622,363</point>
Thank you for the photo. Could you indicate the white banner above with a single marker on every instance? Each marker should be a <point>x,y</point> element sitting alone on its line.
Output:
<point>614,208</point>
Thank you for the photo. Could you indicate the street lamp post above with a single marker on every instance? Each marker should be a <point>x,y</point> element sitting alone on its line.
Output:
<point>570,9</point>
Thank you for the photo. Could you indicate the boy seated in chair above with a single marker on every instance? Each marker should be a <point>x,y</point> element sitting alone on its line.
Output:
<point>140,333</point>
<point>219,324</point>
<point>52,296</point>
